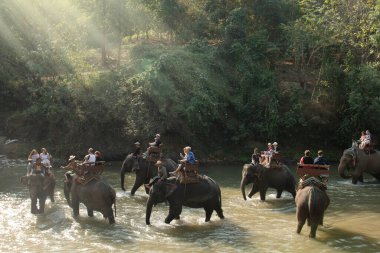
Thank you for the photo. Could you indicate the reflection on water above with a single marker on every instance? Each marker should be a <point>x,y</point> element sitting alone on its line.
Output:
<point>352,221</point>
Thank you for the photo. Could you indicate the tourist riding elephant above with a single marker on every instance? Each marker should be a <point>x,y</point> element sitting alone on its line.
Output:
<point>96,195</point>
<point>262,178</point>
<point>311,205</point>
<point>203,194</point>
<point>144,170</point>
<point>359,161</point>
<point>40,187</point>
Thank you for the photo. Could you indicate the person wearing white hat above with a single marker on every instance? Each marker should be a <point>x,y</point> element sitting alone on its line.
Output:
<point>137,151</point>
<point>275,147</point>
<point>156,142</point>
<point>70,166</point>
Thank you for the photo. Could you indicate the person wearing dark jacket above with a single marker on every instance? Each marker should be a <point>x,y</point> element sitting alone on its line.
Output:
<point>320,160</point>
<point>307,159</point>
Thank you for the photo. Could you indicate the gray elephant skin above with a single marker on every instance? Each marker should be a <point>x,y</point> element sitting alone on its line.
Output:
<point>96,195</point>
<point>263,178</point>
<point>357,161</point>
<point>40,187</point>
<point>311,205</point>
<point>204,194</point>
<point>143,169</point>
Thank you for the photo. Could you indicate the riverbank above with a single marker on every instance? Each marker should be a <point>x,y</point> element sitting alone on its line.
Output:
<point>17,149</point>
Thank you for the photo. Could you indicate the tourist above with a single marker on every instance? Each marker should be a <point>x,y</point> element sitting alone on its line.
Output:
<point>275,147</point>
<point>98,156</point>
<point>307,159</point>
<point>157,141</point>
<point>46,157</point>
<point>33,155</point>
<point>256,156</point>
<point>90,157</point>
<point>188,158</point>
<point>320,160</point>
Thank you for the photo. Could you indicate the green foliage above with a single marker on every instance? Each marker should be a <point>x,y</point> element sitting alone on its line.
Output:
<point>363,101</point>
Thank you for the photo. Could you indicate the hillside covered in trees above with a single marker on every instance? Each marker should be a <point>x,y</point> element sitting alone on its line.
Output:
<point>220,75</point>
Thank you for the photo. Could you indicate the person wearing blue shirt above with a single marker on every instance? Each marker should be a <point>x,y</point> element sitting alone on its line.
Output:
<point>188,158</point>
<point>320,160</point>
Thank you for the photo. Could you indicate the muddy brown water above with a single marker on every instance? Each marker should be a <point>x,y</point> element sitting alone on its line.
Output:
<point>352,222</point>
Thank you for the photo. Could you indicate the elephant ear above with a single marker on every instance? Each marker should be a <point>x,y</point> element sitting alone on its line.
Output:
<point>169,189</point>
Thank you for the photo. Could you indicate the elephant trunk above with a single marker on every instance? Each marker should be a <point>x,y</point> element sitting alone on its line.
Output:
<point>342,171</point>
<point>149,207</point>
<point>66,191</point>
<point>242,186</point>
<point>122,177</point>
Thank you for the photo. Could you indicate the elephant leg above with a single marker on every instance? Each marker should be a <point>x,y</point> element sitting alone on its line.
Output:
<point>300,226</point>
<point>354,180</point>
<point>301,217</point>
<point>253,191</point>
<point>279,193</point>
<point>138,183</point>
<point>41,201</point>
<point>313,230</point>
<point>34,209</point>
<point>360,178</point>
<point>177,218</point>
<point>75,205</point>
<point>219,210</point>
<point>51,196</point>
<point>209,212</point>
<point>111,219</point>
<point>174,211</point>
<point>90,212</point>
<point>263,191</point>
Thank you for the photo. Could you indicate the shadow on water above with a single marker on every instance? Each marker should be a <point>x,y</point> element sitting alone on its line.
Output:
<point>224,233</point>
<point>348,241</point>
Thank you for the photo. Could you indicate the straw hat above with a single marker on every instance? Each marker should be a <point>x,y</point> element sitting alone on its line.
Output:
<point>275,144</point>
<point>72,157</point>
<point>137,143</point>
<point>158,163</point>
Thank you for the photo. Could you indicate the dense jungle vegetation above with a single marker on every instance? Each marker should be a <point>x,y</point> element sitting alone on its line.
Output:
<point>220,75</point>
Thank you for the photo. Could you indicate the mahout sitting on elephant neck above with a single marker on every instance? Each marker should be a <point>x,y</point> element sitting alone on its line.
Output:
<point>145,172</point>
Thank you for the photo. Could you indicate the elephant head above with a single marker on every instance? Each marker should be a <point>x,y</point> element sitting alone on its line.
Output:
<point>36,184</point>
<point>131,163</point>
<point>250,174</point>
<point>347,161</point>
<point>158,193</point>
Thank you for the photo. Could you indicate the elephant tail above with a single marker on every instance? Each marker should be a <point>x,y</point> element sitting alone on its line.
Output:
<point>114,201</point>
<point>313,205</point>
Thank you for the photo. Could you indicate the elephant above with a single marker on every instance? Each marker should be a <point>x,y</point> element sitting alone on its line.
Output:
<point>359,162</point>
<point>144,170</point>
<point>262,178</point>
<point>205,193</point>
<point>96,195</point>
<point>311,205</point>
<point>40,187</point>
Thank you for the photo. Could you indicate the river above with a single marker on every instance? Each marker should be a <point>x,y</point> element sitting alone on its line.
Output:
<point>352,222</point>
